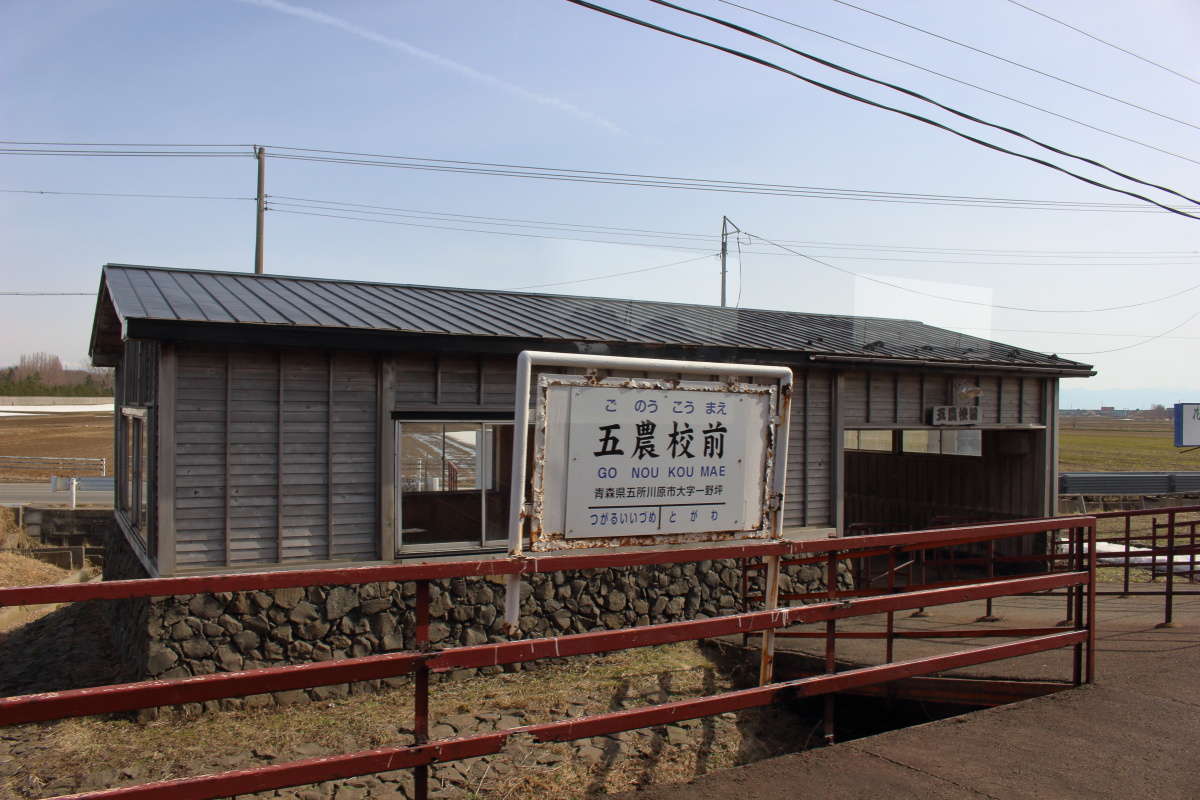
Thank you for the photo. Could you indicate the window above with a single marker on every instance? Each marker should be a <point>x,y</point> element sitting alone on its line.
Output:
<point>874,441</point>
<point>943,442</point>
<point>453,484</point>
<point>135,468</point>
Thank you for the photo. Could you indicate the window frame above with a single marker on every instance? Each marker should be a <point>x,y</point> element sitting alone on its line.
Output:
<point>485,475</point>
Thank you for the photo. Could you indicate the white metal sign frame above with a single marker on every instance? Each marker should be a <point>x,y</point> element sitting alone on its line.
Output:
<point>634,461</point>
<point>775,451</point>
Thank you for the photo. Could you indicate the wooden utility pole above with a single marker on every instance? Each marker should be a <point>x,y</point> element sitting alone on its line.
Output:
<point>727,227</point>
<point>260,154</point>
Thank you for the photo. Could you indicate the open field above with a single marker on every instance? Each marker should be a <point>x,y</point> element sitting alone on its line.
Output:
<point>1087,444</point>
<point>1091,444</point>
<point>68,435</point>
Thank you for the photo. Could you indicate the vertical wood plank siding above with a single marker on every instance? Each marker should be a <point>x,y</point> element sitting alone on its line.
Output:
<point>912,490</point>
<point>199,459</point>
<point>898,399</point>
<point>295,433</point>
<point>809,451</point>
<point>253,447</point>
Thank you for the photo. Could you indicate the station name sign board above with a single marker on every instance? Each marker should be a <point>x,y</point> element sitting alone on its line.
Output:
<point>1187,424</point>
<point>640,457</point>
<point>954,415</point>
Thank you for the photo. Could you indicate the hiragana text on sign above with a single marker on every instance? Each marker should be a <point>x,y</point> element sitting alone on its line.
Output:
<point>647,461</point>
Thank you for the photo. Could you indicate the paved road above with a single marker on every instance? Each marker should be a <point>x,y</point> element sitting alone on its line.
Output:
<point>39,494</point>
<point>1130,735</point>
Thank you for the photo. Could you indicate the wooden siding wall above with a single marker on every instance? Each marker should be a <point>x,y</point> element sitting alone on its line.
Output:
<point>903,398</point>
<point>908,491</point>
<point>276,457</point>
<point>427,383</point>
<point>809,494</point>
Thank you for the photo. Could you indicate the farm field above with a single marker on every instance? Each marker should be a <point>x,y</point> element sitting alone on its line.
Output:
<point>1090,444</point>
<point>1086,444</point>
<point>73,435</point>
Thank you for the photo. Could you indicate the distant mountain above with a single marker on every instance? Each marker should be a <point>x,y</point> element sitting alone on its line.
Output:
<point>1071,397</point>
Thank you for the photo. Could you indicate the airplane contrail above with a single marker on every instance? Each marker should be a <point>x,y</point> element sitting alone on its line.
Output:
<point>322,18</point>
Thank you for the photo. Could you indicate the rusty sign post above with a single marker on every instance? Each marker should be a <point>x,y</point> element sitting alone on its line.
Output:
<point>627,462</point>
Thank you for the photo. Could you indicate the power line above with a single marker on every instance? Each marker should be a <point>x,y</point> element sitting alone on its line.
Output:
<point>279,203</point>
<point>49,294</point>
<point>703,184</point>
<point>851,96</point>
<point>119,144</point>
<point>684,183</point>
<point>615,274</point>
<point>975,302</point>
<point>122,194</point>
<point>1009,61</point>
<point>477,230</point>
<point>1103,42</point>
<point>923,98</point>
<point>962,82</point>
<point>1136,344</point>
<point>14,151</point>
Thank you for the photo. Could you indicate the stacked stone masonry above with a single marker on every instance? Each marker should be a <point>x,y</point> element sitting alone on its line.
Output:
<point>215,632</point>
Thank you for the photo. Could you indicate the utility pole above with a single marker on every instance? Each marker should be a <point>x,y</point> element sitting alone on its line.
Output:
<point>727,227</point>
<point>260,154</point>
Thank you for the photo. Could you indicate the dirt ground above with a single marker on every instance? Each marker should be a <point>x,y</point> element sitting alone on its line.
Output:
<point>43,760</point>
<point>73,435</point>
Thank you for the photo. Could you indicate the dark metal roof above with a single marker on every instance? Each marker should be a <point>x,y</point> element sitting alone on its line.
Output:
<point>225,298</point>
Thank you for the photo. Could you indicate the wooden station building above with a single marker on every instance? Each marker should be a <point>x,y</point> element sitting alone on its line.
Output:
<point>264,420</point>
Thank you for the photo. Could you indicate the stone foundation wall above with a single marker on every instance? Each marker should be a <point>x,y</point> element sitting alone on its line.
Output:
<point>185,635</point>
<point>129,625</point>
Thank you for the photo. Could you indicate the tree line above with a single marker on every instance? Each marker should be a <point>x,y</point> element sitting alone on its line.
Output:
<point>43,374</point>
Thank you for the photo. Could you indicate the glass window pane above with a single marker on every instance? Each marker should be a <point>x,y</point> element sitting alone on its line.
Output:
<point>962,443</point>
<point>497,486</point>
<point>920,441</point>
<point>880,441</point>
<point>850,440</point>
<point>439,475</point>
<point>143,462</point>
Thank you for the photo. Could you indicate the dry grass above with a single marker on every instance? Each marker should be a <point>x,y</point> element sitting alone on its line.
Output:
<point>173,747</point>
<point>18,570</point>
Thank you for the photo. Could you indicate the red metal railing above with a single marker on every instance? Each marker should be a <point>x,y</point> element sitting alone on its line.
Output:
<point>1076,579</point>
<point>1167,543</point>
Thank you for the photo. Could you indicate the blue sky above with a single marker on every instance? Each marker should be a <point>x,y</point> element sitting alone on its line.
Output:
<point>543,82</point>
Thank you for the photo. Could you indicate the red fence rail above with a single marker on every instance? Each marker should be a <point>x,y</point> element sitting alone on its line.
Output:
<point>1076,578</point>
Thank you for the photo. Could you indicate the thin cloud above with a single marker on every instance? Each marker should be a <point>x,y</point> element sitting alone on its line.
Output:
<point>322,18</point>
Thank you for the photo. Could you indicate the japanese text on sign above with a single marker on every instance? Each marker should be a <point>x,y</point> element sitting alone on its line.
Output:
<point>648,461</point>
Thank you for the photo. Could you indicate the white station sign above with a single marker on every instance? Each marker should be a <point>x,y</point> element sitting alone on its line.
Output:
<point>1187,424</point>
<point>645,460</point>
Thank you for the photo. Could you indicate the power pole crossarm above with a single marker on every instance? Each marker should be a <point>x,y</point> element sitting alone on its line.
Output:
<point>260,155</point>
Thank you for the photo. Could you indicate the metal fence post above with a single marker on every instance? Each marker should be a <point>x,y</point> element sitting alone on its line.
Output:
<point>891,615</point>
<point>1076,595</point>
<point>1128,544</point>
<point>988,616</point>
<point>1072,555</point>
<point>1090,673</point>
<point>830,644</point>
<point>421,690</point>
<point>1169,595</point>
